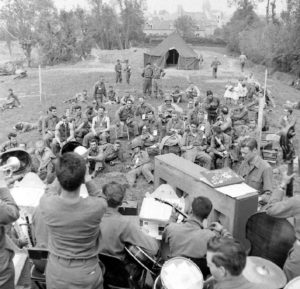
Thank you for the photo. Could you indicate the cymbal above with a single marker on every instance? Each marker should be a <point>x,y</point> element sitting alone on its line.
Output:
<point>293,284</point>
<point>261,271</point>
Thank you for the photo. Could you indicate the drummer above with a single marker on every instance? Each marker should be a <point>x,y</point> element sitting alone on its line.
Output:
<point>189,239</point>
<point>288,208</point>
<point>226,260</point>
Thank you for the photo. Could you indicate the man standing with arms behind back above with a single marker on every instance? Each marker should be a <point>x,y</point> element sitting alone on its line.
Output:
<point>215,64</point>
<point>147,75</point>
<point>118,70</point>
<point>9,212</point>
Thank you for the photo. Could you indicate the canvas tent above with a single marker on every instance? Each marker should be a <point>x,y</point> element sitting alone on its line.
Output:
<point>173,51</point>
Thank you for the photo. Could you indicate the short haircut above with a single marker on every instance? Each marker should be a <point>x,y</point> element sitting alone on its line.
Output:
<point>114,193</point>
<point>101,106</point>
<point>251,143</point>
<point>93,140</point>
<point>128,99</point>
<point>52,107</point>
<point>64,117</point>
<point>10,89</point>
<point>117,142</point>
<point>77,107</point>
<point>11,134</point>
<point>209,92</point>
<point>229,254</point>
<point>70,171</point>
<point>201,207</point>
<point>193,123</point>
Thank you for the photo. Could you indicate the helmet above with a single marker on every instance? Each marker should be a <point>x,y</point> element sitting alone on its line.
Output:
<point>11,134</point>
<point>136,143</point>
<point>168,98</point>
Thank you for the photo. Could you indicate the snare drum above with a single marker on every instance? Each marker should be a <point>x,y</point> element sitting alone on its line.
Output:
<point>293,284</point>
<point>179,272</point>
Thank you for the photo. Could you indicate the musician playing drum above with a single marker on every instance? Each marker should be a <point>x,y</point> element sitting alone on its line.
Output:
<point>288,208</point>
<point>118,230</point>
<point>9,212</point>
<point>226,260</point>
<point>189,239</point>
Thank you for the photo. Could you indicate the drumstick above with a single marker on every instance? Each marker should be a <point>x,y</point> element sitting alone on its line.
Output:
<point>173,206</point>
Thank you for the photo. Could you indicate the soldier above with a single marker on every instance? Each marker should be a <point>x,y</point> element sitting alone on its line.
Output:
<point>211,105</point>
<point>125,116</point>
<point>147,75</point>
<point>10,144</point>
<point>141,111</point>
<point>99,91</point>
<point>112,96</point>
<point>127,70</point>
<point>50,123</point>
<point>214,66</point>
<point>64,132</point>
<point>158,74</point>
<point>177,94</point>
<point>193,146</point>
<point>118,70</point>
<point>243,59</point>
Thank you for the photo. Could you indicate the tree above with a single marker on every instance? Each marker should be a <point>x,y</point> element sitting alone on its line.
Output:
<point>242,4</point>
<point>185,25</point>
<point>132,19</point>
<point>21,17</point>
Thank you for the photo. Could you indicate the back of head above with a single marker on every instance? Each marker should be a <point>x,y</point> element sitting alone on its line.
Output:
<point>251,143</point>
<point>228,253</point>
<point>114,193</point>
<point>70,171</point>
<point>201,207</point>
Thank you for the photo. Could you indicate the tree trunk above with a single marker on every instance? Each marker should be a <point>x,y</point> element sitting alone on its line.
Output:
<point>268,11</point>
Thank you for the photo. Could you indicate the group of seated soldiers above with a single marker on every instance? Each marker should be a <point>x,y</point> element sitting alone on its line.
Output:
<point>206,132</point>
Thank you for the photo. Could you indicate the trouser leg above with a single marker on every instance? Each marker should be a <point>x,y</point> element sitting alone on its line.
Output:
<point>147,172</point>
<point>128,78</point>
<point>7,270</point>
<point>204,159</point>
<point>155,87</point>
<point>132,175</point>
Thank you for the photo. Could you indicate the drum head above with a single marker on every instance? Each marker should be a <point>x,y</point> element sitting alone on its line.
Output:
<point>293,284</point>
<point>179,272</point>
<point>70,147</point>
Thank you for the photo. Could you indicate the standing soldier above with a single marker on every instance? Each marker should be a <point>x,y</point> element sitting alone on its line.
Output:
<point>214,66</point>
<point>99,91</point>
<point>147,75</point>
<point>158,74</point>
<point>118,70</point>
<point>127,70</point>
<point>243,59</point>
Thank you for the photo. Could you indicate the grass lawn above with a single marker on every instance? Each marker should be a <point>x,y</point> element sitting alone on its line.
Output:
<point>64,81</point>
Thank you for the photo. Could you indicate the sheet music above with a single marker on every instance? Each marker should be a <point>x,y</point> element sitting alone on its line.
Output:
<point>155,211</point>
<point>236,190</point>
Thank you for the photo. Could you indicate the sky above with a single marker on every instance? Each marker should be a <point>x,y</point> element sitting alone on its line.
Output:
<point>171,5</point>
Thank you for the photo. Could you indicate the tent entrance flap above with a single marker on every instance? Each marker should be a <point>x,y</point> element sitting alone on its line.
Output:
<point>172,58</point>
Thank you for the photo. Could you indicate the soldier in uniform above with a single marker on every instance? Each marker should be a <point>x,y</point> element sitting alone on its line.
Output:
<point>215,64</point>
<point>10,144</point>
<point>158,74</point>
<point>125,116</point>
<point>118,70</point>
<point>99,91</point>
<point>141,111</point>
<point>147,75</point>
<point>127,70</point>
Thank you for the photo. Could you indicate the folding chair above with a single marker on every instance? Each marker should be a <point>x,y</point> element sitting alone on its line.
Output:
<point>38,256</point>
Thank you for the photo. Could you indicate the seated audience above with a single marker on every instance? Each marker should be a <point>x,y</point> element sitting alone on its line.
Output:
<point>10,144</point>
<point>193,146</point>
<point>140,164</point>
<point>125,116</point>
<point>177,95</point>
<point>219,147</point>
<point>100,127</point>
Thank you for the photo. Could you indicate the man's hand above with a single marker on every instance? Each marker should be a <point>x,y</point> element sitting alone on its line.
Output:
<point>215,226</point>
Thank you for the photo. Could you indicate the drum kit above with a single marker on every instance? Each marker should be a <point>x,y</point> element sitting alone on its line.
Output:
<point>179,273</point>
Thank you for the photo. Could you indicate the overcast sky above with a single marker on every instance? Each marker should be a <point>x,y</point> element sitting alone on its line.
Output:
<point>171,5</point>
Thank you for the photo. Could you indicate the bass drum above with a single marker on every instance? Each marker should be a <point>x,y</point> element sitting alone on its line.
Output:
<point>180,272</point>
<point>70,147</point>
<point>22,155</point>
<point>293,284</point>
